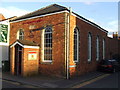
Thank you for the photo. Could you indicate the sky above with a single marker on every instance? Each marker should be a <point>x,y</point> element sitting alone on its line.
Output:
<point>105,14</point>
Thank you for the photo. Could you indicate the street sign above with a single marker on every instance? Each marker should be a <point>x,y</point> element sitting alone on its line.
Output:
<point>32,55</point>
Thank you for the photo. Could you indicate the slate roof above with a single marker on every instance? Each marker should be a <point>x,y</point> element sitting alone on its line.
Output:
<point>52,9</point>
<point>46,10</point>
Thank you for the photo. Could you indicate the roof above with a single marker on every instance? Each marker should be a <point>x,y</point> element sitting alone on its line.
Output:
<point>24,43</point>
<point>52,9</point>
<point>11,18</point>
<point>1,16</point>
<point>49,9</point>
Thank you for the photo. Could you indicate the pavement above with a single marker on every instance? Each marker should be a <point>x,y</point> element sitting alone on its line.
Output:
<point>40,81</point>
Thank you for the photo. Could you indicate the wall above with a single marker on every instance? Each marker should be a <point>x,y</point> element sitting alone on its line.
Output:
<point>84,28</point>
<point>30,67</point>
<point>4,46</point>
<point>113,47</point>
<point>57,67</point>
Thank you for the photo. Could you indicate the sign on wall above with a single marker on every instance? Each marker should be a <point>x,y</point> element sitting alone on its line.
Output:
<point>3,33</point>
<point>32,55</point>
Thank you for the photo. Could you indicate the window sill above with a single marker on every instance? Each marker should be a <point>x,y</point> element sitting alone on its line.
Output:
<point>47,62</point>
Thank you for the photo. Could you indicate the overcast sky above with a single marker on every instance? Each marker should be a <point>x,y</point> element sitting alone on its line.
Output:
<point>105,14</point>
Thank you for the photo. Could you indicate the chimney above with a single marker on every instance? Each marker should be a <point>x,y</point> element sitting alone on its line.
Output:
<point>115,35</point>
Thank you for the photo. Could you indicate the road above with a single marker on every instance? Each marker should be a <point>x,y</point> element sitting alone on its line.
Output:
<point>11,84</point>
<point>107,81</point>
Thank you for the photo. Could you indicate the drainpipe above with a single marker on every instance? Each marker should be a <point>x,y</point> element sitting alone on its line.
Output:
<point>68,43</point>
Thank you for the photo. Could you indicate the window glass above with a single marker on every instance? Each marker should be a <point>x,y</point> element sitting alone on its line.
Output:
<point>48,44</point>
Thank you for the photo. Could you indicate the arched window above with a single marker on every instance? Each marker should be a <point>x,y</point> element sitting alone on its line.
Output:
<point>20,34</point>
<point>103,48</point>
<point>76,45</point>
<point>89,47</point>
<point>48,44</point>
<point>97,48</point>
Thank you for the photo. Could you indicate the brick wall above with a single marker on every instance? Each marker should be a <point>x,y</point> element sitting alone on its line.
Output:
<point>112,47</point>
<point>84,28</point>
<point>30,67</point>
<point>57,67</point>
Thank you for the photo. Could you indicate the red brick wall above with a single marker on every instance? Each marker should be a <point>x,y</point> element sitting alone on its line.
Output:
<point>30,67</point>
<point>112,47</point>
<point>57,67</point>
<point>84,28</point>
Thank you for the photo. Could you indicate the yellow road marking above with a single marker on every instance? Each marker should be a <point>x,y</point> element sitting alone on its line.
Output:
<point>90,81</point>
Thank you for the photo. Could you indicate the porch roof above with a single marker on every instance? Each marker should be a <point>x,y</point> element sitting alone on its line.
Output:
<point>25,44</point>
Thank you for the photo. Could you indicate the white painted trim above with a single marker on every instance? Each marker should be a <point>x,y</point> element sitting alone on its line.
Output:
<point>39,16</point>
<point>32,51</point>
<point>35,47</point>
<point>72,65</point>
<point>89,47</point>
<point>97,48</point>
<point>15,44</point>
<point>103,48</point>
<point>4,44</point>
<point>24,46</point>
<point>47,60</point>
<point>77,44</point>
<point>58,13</point>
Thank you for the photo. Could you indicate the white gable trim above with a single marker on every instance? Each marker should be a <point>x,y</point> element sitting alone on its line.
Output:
<point>15,44</point>
<point>24,46</point>
<point>39,16</point>
<point>58,13</point>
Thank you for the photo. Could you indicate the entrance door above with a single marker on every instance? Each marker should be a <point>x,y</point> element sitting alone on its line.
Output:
<point>18,59</point>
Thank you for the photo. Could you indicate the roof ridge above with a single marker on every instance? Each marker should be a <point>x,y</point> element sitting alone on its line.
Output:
<point>56,5</point>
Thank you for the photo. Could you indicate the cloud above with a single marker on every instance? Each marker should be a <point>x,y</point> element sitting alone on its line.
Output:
<point>12,11</point>
<point>112,26</point>
<point>88,3</point>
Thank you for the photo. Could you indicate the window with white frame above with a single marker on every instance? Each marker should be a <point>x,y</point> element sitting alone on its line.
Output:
<point>48,44</point>
<point>97,48</point>
<point>103,48</point>
<point>89,47</point>
<point>76,45</point>
<point>20,34</point>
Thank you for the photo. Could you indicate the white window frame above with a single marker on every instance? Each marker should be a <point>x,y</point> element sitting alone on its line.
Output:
<point>97,48</point>
<point>43,46</point>
<point>103,48</point>
<point>89,47</point>
<point>18,34</point>
<point>77,30</point>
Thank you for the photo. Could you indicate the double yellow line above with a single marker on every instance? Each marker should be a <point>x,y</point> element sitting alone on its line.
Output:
<point>90,81</point>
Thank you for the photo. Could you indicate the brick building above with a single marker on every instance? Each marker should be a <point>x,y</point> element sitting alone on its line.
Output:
<point>4,42</point>
<point>55,41</point>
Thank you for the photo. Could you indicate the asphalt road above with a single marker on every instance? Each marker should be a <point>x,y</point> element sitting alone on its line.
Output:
<point>111,81</point>
<point>104,81</point>
<point>11,84</point>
